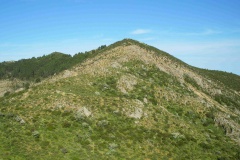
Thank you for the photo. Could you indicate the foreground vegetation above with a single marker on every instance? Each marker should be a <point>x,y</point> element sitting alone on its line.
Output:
<point>45,122</point>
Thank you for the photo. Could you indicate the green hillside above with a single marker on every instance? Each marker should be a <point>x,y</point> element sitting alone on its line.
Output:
<point>228,79</point>
<point>124,101</point>
<point>42,67</point>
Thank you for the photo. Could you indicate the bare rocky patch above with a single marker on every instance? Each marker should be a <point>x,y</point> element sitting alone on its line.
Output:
<point>126,83</point>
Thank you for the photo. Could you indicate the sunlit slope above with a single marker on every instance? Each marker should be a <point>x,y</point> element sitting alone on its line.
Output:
<point>127,101</point>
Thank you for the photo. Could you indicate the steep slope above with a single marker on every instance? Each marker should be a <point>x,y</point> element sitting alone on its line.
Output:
<point>127,101</point>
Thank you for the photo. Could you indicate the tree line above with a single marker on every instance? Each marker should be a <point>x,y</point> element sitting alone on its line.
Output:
<point>34,69</point>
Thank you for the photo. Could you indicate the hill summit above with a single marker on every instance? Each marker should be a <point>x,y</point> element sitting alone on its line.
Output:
<point>127,100</point>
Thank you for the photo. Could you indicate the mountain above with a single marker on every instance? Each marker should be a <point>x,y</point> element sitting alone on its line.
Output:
<point>128,100</point>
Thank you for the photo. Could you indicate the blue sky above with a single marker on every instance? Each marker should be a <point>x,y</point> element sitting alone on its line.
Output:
<point>202,33</point>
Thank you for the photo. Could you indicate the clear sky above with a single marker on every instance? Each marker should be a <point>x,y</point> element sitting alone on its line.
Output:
<point>202,33</point>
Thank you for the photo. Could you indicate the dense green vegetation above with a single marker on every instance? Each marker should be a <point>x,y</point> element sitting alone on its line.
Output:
<point>228,79</point>
<point>35,69</point>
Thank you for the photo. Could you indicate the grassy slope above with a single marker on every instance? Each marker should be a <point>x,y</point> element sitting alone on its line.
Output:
<point>171,128</point>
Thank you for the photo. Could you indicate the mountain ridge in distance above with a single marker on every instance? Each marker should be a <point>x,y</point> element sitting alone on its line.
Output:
<point>127,100</point>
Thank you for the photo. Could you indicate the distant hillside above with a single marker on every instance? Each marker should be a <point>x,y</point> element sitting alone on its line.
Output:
<point>42,67</point>
<point>128,100</point>
<point>228,79</point>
